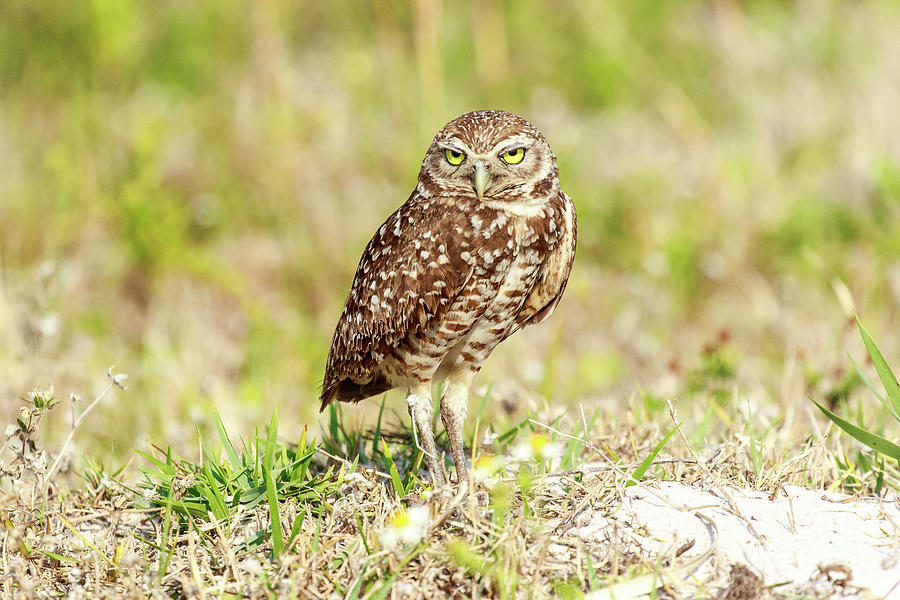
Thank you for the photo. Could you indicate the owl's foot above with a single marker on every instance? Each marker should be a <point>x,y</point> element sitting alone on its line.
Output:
<point>421,412</point>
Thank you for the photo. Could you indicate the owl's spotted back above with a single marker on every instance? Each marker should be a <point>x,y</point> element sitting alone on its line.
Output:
<point>482,247</point>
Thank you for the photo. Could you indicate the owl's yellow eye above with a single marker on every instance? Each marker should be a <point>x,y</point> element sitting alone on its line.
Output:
<point>513,157</point>
<point>454,157</point>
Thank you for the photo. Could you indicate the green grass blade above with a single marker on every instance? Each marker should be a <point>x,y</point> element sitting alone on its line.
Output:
<point>295,528</point>
<point>58,557</point>
<point>884,401</point>
<point>184,507</point>
<point>271,440</point>
<point>888,379</point>
<point>395,474</point>
<point>87,542</point>
<point>302,459</point>
<point>873,441</point>
<point>236,464</point>
<point>377,435</point>
<point>593,583</point>
<point>163,469</point>
<point>333,428</point>
<point>510,435</point>
<point>645,464</point>
<point>214,500</point>
<point>356,586</point>
<point>274,515</point>
<point>362,531</point>
<point>314,547</point>
<point>465,556</point>
<point>166,553</point>
<point>271,489</point>
<point>870,385</point>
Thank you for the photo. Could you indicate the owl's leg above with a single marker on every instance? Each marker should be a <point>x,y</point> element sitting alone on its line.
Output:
<point>454,405</point>
<point>422,413</point>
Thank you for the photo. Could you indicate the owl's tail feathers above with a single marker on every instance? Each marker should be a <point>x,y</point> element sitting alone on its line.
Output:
<point>346,390</point>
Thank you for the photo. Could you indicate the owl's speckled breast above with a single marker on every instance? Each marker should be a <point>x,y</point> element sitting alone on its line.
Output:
<point>506,252</point>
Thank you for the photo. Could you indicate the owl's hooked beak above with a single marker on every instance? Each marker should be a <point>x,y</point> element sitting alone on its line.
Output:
<point>481,179</point>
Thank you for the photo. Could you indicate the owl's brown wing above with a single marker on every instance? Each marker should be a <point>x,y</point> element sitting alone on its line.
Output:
<point>407,276</point>
<point>556,267</point>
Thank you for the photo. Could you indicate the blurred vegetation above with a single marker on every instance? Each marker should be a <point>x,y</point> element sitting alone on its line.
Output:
<point>186,189</point>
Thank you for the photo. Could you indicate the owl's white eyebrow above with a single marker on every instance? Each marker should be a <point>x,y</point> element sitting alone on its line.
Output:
<point>518,141</point>
<point>455,144</point>
<point>511,147</point>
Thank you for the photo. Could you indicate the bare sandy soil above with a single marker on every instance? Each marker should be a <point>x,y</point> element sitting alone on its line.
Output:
<point>796,540</point>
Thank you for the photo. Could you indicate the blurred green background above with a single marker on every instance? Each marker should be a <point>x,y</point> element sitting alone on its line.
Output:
<point>186,188</point>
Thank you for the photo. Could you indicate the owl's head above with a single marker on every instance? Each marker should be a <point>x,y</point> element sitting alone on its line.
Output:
<point>492,155</point>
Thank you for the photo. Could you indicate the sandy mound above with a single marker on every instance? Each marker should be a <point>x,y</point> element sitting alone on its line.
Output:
<point>814,542</point>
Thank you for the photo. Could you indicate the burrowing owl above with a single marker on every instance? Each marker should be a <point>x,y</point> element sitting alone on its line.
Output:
<point>482,247</point>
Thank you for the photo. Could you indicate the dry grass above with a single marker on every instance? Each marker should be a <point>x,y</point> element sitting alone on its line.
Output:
<point>520,534</point>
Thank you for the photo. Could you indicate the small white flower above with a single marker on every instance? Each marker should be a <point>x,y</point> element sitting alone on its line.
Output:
<point>118,379</point>
<point>252,566</point>
<point>129,560</point>
<point>486,466</point>
<point>406,527</point>
<point>537,446</point>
